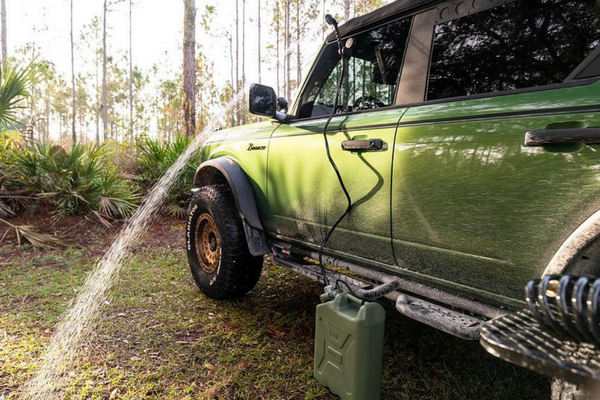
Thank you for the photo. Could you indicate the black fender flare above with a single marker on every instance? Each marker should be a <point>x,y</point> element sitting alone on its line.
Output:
<point>244,198</point>
<point>239,184</point>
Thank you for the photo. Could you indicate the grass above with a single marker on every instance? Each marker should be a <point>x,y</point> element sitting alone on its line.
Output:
<point>160,338</point>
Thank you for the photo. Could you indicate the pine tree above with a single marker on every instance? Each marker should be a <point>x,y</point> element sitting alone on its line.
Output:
<point>74,135</point>
<point>189,68</point>
<point>4,30</point>
<point>259,45</point>
<point>130,74</point>
<point>104,88</point>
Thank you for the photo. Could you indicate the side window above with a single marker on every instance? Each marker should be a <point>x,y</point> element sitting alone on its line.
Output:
<point>518,45</point>
<point>371,73</point>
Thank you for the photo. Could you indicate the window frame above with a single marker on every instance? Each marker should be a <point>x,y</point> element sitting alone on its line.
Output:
<point>416,92</point>
<point>307,83</point>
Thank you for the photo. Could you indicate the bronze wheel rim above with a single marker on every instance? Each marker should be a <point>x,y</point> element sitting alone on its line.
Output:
<point>208,243</point>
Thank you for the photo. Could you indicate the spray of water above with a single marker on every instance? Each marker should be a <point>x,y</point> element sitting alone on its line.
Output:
<point>79,319</point>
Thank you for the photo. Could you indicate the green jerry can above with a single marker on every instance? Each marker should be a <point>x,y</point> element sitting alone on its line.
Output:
<point>349,347</point>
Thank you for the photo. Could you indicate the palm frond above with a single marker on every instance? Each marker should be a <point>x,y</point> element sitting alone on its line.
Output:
<point>174,211</point>
<point>6,211</point>
<point>14,88</point>
<point>103,219</point>
<point>116,207</point>
<point>37,239</point>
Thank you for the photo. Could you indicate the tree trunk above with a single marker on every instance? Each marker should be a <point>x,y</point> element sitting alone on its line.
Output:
<point>298,57</point>
<point>232,80</point>
<point>130,76</point>
<point>74,135</point>
<point>243,108</point>
<point>189,68</point>
<point>277,39</point>
<point>347,10</point>
<point>97,98</point>
<point>104,88</point>
<point>259,44</point>
<point>47,131</point>
<point>322,20</point>
<point>4,30</point>
<point>237,60</point>
<point>286,50</point>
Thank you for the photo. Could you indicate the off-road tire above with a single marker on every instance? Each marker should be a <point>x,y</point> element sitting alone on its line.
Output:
<point>216,245</point>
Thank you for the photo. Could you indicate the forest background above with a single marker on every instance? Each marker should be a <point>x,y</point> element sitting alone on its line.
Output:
<point>115,85</point>
<point>92,113</point>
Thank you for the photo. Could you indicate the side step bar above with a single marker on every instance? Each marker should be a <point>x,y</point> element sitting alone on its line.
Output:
<point>440,317</point>
<point>450,321</point>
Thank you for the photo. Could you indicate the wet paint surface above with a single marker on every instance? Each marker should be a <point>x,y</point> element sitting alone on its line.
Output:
<point>473,205</point>
<point>469,203</point>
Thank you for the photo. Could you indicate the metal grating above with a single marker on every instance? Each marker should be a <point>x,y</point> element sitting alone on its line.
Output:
<point>521,340</point>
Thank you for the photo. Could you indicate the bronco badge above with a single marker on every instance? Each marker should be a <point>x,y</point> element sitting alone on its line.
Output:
<point>253,147</point>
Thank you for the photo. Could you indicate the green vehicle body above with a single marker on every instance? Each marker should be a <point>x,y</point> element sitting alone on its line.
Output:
<point>455,199</point>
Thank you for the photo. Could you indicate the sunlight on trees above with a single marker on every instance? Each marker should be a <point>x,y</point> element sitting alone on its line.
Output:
<point>108,97</point>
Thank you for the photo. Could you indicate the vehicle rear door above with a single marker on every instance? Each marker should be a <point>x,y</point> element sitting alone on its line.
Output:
<point>475,204</point>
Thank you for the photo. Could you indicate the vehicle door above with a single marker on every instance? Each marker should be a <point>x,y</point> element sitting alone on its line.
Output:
<point>304,195</point>
<point>477,202</point>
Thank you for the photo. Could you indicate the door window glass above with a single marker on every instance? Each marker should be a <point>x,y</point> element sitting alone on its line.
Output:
<point>371,73</point>
<point>518,45</point>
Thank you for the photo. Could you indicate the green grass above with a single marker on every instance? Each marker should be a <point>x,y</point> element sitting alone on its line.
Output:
<point>160,338</point>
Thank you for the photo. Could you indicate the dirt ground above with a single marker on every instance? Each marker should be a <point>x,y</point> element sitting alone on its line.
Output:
<point>159,337</point>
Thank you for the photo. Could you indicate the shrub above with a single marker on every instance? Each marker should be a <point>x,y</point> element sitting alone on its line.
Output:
<point>74,182</point>
<point>12,197</point>
<point>154,159</point>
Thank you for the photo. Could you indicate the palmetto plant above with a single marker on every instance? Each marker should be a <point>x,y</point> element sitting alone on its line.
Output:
<point>154,159</point>
<point>77,181</point>
<point>14,89</point>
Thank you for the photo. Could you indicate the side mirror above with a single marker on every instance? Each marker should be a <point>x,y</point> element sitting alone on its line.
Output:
<point>262,100</point>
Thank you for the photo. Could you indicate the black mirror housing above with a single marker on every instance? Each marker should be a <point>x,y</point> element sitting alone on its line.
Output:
<point>262,100</point>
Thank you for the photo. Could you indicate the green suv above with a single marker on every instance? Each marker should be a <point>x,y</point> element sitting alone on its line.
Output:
<point>442,152</point>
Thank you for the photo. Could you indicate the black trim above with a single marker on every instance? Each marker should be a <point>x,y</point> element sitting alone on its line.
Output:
<point>362,145</point>
<point>561,110</point>
<point>391,107</point>
<point>239,184</point>
<point>558,110</point>
<point>382,16</point>
<point>586,69</point>
<point>467,9</point>
<point>561,136</point>
<point>349,129</point>
<point>555,86</point>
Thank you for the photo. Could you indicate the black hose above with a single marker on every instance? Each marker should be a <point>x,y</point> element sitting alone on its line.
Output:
<point>337,172</point>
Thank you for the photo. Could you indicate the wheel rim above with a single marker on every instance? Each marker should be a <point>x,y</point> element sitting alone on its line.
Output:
<point>208,243</point>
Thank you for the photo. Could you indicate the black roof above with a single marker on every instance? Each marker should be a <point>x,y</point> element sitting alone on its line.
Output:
<point>378,17</point>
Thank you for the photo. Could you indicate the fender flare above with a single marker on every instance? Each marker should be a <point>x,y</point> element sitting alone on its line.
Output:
<point>575,243</point>
<point>239,184</point>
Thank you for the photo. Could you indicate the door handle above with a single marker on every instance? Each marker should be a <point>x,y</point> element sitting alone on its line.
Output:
<point>561,136</point>
<point>363,145</point>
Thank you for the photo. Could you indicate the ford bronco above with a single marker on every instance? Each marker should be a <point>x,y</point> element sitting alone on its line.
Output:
<point>444,152</point>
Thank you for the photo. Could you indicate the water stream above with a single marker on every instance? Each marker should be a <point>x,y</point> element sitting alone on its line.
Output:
<point>79,319</point>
